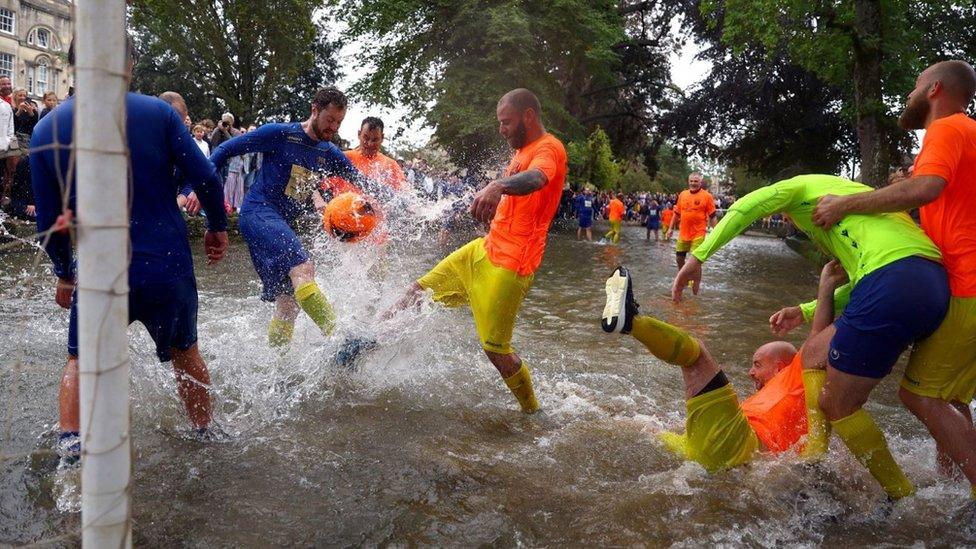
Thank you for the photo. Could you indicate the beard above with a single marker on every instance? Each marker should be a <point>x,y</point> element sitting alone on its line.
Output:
<point>915,115</point>
<point>518,138</point>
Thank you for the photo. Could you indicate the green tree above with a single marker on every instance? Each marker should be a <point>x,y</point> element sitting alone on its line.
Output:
<point>256,59</point>
<point>634,178</point>
<point>873,48</point>
<point>673,169</point>
<point>591,62</point>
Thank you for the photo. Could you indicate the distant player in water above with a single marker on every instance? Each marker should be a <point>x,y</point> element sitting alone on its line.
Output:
<point>720,432</point>
<point>493,274</point>
<point>615,213</point>
<point>584,214</point>
<point>296,156</point>
<point>693,213</point>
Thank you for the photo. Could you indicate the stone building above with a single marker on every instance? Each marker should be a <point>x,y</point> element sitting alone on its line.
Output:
<point>34,40</point>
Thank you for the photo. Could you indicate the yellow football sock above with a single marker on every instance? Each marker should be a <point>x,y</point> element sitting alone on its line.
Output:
<point>280,332</point>
<point>972,491</point>
<point>521,386</point>
<point>867,443</point>
<point>313,302</point>
<point>669,343</point>
<point>818,429</point>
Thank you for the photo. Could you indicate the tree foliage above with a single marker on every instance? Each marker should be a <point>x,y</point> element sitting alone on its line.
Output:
<point>673,169</point>
<point>259,60</point>
<point>592,161</point>
<point>591,62</point>
<point>871,49</point>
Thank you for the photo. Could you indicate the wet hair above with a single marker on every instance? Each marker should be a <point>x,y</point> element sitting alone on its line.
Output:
<point>523,100</point>
<point>372,123</point>
<point>330,96</point>
<point>957,77</point>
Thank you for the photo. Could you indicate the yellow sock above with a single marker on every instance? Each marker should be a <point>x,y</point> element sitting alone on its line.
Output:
<point>818,429</point>
<point>313,302</point>
<point>520,384</point>
<point>867,443</point>
<point>972,491</point>
<point>669,343</point>
<point>280,332</point>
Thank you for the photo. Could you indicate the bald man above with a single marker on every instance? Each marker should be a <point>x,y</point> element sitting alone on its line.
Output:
<point>720,432</point>
<point>940,379</point>
<point>493,274</point>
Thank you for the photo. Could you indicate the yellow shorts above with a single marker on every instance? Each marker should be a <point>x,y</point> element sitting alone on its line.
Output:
<point>495,294</point>
<point>943,365</point>
<point>688,245</point>
<point>717,434</point>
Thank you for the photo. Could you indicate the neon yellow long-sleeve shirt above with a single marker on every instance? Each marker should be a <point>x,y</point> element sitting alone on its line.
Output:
<point>862,243</point>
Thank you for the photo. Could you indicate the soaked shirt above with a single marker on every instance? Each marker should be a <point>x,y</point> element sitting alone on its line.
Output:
<point>292,167</point>
<point>778,411</point>
<point>159,143</point>
<point>861,243</point>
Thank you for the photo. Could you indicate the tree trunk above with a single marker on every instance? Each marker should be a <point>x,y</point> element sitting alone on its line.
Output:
<point>873,129</point>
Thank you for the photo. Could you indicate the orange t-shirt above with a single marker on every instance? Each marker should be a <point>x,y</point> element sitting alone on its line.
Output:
<point>694,209</point>
<point>666,216</point>
<point>517,237</point>
<point>778,411</point>
<point>616,210</point>
<point>380,168</point>
<point>949,151</point>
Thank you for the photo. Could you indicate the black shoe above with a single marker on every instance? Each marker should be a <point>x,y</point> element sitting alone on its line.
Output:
<point>618,313</point>
<point>350,350</point>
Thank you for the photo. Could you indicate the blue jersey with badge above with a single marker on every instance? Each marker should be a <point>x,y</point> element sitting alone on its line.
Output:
<point>158,142</point>
<point>294,164</point>
<point>584,206</point>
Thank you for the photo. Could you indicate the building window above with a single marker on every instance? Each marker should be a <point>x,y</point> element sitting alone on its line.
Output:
<point>40,38</point>
<point>7,65</point>
<point>38,78</point>
<point>6,21</point>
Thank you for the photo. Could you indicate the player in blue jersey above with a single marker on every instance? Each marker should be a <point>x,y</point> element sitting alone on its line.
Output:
<point>296,157</point>
<point>584,214</point>
<point>162,287</point>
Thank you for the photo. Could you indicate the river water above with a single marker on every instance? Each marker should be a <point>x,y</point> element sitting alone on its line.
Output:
<point>423,445</point>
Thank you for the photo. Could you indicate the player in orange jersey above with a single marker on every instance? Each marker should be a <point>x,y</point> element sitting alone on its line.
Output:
<point>693,213</point>
<point>493,274</point>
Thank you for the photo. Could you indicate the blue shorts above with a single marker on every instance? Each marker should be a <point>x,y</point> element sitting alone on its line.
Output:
<point>168,311</point>
<point>889,309</point>
<point>586,220</point>
<point>653,224</point>
<point>274,247</point>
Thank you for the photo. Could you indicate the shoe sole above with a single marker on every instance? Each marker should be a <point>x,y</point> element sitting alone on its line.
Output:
<point>615,311</point>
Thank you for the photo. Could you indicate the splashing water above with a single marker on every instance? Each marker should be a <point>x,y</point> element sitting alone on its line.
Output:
<point>423,444</point>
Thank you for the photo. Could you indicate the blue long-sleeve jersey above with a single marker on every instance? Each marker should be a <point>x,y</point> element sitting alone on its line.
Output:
<point>293,166</point>
<point>158,143</point>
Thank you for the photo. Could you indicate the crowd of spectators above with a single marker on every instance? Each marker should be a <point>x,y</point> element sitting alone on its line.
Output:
<point>18,116</point>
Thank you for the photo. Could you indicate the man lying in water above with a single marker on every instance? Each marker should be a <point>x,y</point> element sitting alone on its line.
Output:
<point>720,432</point>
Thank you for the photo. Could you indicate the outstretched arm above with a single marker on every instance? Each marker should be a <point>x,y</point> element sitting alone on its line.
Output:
<point>898,197</point>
